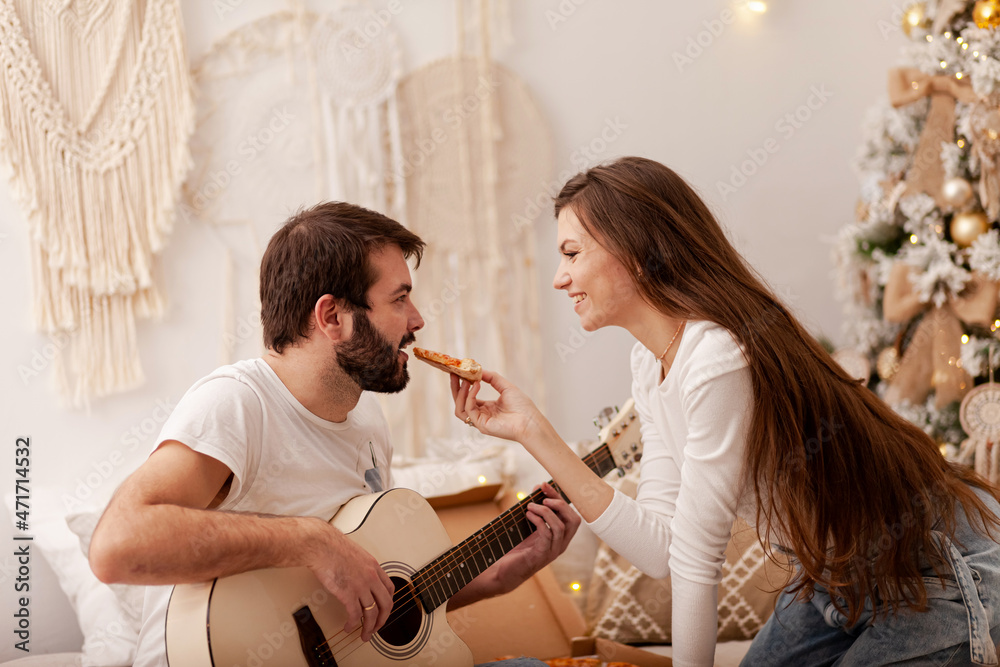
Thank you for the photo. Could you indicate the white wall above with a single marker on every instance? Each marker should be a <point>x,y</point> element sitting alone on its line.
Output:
<point>607,60</point>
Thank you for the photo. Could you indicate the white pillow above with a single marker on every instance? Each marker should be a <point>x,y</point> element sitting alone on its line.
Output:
<point>130,598</point>
<point>110,633</point>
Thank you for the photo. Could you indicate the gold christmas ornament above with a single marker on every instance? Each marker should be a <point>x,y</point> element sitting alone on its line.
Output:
<point>956,192</point>
<point>915,18</point>
<point>986,13</point>
<point>887,363</point>
<point>967,226</point>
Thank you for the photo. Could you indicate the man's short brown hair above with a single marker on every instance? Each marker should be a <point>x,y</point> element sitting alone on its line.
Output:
<point>323,250</point>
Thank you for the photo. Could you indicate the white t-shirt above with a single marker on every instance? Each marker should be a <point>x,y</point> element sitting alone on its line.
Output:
<point>693,429</point>
<point>284,459</point>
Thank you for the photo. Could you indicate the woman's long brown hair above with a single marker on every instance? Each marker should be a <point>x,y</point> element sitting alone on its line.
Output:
<point>840,479</point>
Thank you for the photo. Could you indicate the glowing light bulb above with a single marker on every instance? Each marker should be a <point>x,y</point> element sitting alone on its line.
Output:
<point>482,479</point>
<point>758,6</point>
<point>575,586</point>
<point>961,143</point>
<point>521,495</point>
<point>958,75</point>
<point>944,65</point>
<point>965,338</point>
<point>947,35</point>
<point>996,325</point>
<point>930,38</point>
<point>960,40</point>
<point>913,238</point>
<point>975,54</point>
<point>965,46</point>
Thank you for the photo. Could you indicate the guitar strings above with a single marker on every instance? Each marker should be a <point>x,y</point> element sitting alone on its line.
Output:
<point>491,532</point>
<point>445,563</point>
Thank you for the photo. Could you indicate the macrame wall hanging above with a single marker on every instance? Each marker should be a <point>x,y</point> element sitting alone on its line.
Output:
<point>295,108</point>
<point>95,114</point>
<point>476,151</point>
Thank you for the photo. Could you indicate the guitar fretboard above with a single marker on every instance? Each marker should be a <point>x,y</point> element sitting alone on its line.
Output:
<point>446,575</point>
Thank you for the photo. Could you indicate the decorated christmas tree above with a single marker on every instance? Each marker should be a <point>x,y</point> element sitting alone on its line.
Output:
<point>920,267</point>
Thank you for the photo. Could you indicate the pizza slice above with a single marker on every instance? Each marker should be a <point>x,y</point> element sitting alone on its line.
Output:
<point>467,369</point>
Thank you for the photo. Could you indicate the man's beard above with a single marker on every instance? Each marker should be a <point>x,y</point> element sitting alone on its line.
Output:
<point>371,360</point>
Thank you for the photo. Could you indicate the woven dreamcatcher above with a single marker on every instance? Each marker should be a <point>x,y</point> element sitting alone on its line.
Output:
<point>980,417</point>
<point>95,114</point>
<point>358,67</point>
<point>295,108</point>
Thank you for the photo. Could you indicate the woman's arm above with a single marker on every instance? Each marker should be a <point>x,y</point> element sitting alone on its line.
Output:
<point>639,530</point>
<point>513,416</point>
<point>694,622</point>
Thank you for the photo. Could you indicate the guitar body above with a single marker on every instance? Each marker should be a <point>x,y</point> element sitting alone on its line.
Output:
<point>250,618</point>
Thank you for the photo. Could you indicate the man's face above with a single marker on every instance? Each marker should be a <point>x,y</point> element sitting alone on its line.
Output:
<point>373,356</point>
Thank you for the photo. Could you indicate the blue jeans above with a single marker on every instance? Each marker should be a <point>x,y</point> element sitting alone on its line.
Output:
<point>960,627</point>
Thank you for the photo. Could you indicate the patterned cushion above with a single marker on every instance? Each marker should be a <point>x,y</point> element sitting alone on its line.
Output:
<point>625,605</point>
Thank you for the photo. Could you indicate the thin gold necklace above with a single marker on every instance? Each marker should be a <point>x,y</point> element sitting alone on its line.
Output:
<point>671,343</point>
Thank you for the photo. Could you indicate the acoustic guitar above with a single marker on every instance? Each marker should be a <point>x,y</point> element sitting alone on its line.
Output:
<point>284,617</point>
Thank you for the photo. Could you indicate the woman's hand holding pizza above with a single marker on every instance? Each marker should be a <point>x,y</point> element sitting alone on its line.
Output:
<point>512,416</point>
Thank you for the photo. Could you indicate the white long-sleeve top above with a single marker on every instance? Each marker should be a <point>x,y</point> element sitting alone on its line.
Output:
<point>694,427</point>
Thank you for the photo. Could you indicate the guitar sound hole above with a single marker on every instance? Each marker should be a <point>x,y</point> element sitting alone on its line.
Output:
<point>406,617</point>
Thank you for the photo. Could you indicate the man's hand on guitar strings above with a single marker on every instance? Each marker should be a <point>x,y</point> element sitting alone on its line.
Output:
<point>355,578</point>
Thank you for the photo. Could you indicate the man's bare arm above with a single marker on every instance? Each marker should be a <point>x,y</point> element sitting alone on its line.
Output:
<point>158,530</point>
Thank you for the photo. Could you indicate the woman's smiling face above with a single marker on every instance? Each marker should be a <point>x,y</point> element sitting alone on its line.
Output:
<point>600,286</point>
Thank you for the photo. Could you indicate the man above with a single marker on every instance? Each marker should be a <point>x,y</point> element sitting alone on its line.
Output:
<point>258,456</point>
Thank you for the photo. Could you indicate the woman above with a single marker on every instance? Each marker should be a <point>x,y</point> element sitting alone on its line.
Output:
<point>744,414</point>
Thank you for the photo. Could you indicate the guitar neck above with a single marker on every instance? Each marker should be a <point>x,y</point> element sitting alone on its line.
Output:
<point>447,574</point>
